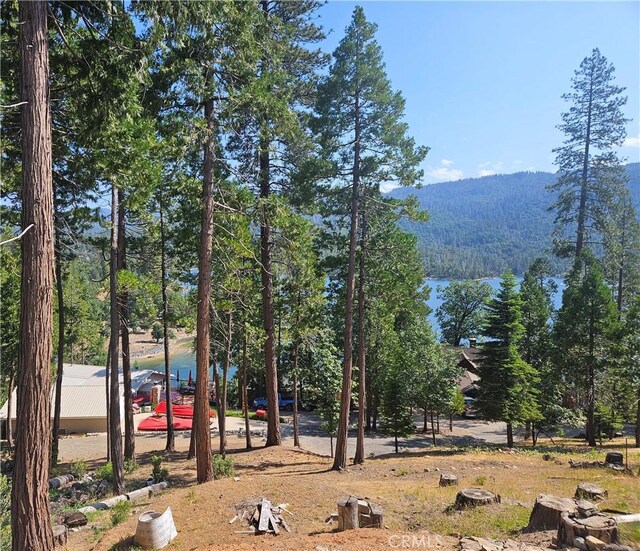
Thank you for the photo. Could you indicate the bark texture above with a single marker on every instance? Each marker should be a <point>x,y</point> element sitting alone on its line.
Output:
<point>201,439</point>
<point>115,429</point>
<point>31,522</point>
<point>123,311</point>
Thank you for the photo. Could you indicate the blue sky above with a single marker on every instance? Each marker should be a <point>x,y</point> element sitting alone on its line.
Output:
<point>483,80</point>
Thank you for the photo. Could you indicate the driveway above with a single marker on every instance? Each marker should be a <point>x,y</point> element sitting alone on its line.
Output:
<point>312,437</point>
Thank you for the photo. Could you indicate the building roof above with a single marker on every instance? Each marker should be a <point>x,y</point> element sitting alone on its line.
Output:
<point>83,393</point>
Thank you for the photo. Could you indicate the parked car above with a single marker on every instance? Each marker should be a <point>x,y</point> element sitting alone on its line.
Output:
<point>470,407</point>
<point>285,404</point>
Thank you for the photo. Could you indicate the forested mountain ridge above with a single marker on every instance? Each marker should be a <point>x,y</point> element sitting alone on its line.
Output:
<point>479,227</point>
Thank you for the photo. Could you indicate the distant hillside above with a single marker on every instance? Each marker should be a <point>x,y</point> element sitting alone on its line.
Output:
<point>481,226</point>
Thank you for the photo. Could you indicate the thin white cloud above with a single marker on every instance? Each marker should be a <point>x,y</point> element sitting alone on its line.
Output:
<point>446,162</point>
<point>632,141</point>
<point>489,168</point>
<point>444,174</point>
<point>484,172</point>
<point>388,186</point>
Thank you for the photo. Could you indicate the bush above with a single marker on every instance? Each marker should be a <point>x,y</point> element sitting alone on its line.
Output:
<point>222,467</point>
<point>120,512</point>
<point>78,468</point>
<point>158,474</point>
<point>105,472</point>
<point>5,513</point>
<point>130,465</point>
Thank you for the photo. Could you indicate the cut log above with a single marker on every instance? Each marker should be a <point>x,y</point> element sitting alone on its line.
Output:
<point>586,508</point>
<point>348,514</point>
<point>547,511</point>
<point>591,492</point>
<point>600,526</point>
<point>448,480</point>
<point>60,535</point>
<point>375,519</point>
<point>473,497</point>
<point>615,458</point>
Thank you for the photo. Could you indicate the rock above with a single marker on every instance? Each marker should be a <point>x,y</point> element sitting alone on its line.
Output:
<point>617,547</point>
<point>580,543</point>
<point>470,544</point>
<point>75,520</point>
<point>594,544</point>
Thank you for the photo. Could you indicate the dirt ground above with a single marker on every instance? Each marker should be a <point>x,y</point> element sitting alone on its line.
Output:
<point>415,507</point>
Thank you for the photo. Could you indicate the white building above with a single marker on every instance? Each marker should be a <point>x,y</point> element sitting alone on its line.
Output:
<point>84,403</point>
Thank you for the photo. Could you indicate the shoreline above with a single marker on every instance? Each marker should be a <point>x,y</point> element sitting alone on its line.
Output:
<point>152,355</point>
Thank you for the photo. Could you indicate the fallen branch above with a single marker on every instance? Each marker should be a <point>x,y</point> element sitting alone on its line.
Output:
<point>17,236</point>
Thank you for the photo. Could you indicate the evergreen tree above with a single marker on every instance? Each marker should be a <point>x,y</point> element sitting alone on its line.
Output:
<point>583,334</point>
<point>507,383</point>
<point>364,142</point>
<point>590,172</point>
<point>31,520</point>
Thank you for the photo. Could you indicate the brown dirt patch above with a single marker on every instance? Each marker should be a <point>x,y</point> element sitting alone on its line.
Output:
<point>406,486</point>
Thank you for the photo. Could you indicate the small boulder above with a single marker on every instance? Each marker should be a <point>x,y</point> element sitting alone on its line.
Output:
<point>594,544</point>
<point>75,520</point>
<point>580,543</point>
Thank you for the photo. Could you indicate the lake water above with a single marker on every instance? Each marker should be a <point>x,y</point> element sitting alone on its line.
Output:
<point>184,361</point>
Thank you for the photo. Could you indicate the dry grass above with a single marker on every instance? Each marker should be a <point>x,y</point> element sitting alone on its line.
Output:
<point>406,486</point>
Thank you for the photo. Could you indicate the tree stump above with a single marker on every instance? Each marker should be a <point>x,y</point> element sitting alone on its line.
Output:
<point>448,480</point>
<point>348,514</point>
<point>600,526</point>
<point>586,508</point>
<point>590,492</point>
<point>473,497</point>
<point>615,458</point>
<point>547,512</point>
<point>60,535</point>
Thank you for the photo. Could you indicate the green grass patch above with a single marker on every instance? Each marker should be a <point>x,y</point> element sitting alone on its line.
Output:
<point>120,512</point>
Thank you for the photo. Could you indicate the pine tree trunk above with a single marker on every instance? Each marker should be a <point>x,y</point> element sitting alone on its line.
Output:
<point>117,459</point>
<point>359,456</point>
<point>527,430</point>
<point>202,440</point>
<point>55,438</point>
<point>245,394</point>
<point>123,310</point>
<point>340,459</point>
<point>271,372</point>
<point>425,427</point>
<point>591,390</point>
<point>638,420</point>
<point>296,435</point>
<point>9,428</point>
<point>31,523</point>
<point>171,439</point>
<point>433,429</point>
<point>509,435</point>
<point>222,394</point>
<point>584,188</point>
<point>107,382</point>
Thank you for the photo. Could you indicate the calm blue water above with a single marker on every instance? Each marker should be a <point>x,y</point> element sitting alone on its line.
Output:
<point>185,361</point>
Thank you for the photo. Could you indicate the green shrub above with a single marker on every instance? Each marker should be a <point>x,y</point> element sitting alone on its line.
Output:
<point>480,480</point>
<point>120,512</point>
<point>130,465</point>
<point>222,467</point>
<point>78,468</point>
<point>158,474</point>
<point>105,472</point>
<point>5,512</point>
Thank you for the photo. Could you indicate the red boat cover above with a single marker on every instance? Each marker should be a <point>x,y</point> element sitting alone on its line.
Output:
<point>178,410</point>
<point>154,423</point>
